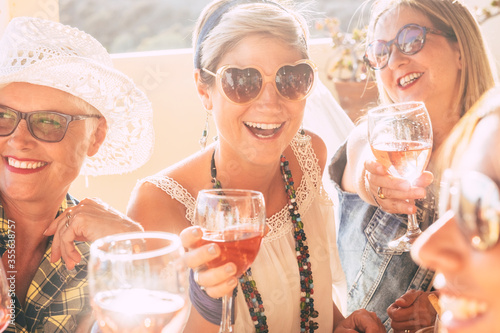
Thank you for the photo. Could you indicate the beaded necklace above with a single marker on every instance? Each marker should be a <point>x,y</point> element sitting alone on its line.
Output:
<point>248,284</point>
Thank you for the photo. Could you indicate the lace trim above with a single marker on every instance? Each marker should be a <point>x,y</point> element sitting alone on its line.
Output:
<point>309,164</point>
<point>175,190</point>
<point>280,223</point>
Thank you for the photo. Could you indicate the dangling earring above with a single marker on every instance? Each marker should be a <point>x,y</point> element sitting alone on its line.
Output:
<point>302,137</point>
<point>204,134</point>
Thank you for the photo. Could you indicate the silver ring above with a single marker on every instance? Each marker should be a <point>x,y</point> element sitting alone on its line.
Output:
<point>68,219</point>
<point>382,196</point>
<point>196,277</point>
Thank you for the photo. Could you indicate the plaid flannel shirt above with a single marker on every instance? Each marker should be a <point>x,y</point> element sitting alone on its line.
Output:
<point>56,297</point>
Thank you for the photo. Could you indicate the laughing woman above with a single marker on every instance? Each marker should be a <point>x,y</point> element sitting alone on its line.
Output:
<point>253,73</point>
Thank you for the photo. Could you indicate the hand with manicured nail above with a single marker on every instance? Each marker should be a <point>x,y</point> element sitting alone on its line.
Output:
<point>218,281</point>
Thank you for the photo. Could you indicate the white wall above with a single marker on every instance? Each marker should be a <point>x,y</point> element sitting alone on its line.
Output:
<point>46,9</point>
<point>166,77</point>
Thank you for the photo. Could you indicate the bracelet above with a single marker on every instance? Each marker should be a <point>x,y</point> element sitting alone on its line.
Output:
<point>209,308</point>
<point>367,189</point>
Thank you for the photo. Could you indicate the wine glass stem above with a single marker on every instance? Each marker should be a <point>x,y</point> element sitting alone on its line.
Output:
<point>413,229</point>
<point>227,304</point>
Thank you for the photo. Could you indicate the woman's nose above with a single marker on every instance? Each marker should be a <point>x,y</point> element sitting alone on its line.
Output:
<point>396,57</point>
<point>21,135</point>
<point>269,93</point>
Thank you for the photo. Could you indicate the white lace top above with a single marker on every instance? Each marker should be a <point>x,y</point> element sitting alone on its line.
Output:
<point>275,268</point>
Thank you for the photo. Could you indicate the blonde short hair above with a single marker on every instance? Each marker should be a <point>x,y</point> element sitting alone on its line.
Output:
<point>244,19</point>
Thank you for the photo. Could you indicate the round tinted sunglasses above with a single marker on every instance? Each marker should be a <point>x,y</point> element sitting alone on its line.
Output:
<point>47,126</point>
<point>293,82</point>
<point>475,200</point>
<point>410,39</point>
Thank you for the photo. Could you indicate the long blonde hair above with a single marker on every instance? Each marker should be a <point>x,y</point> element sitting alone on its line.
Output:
<point>457,141</point>
<point>453,18</point>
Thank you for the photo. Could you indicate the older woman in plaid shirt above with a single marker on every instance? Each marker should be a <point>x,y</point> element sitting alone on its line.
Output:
<point>64,110</point>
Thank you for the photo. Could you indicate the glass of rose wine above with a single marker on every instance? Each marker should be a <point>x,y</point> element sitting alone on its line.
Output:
<point>235,220</point>
<point>400,137</point>
<point>139,283</point>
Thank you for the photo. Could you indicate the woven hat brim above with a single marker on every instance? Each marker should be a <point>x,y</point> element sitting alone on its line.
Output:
<point>130,138</point>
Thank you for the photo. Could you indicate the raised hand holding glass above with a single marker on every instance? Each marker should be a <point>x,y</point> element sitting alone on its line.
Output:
<point>235,220</point>
<point>400,136</point>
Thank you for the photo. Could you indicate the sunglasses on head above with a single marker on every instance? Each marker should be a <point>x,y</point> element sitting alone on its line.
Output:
<point>47,126</point>
<point>410,39</point>
<point>474,199</point>
<point>293,82</point>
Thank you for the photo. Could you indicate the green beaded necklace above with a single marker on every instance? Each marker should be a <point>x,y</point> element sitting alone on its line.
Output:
<point>248,284</point>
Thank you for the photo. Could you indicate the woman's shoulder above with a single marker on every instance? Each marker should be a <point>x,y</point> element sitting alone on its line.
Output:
<point>170,192</point>
<point>307,156</point>
<point>319,147</point>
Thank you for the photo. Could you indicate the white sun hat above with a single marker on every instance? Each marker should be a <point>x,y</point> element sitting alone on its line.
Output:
<point>51,54</point>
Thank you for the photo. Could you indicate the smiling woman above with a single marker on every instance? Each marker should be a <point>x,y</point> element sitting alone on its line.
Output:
<point>431,51</point>
<point>253,75</point>
<point>62,112</point>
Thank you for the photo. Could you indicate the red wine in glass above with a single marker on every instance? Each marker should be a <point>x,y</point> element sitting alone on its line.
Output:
<point>239,246</point>
<point>235,220</point>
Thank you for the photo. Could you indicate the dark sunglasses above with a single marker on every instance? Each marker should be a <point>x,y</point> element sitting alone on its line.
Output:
<point>474,199</point>
<point>293,82</point>
<point>410,39</point>
<point>47,126</point>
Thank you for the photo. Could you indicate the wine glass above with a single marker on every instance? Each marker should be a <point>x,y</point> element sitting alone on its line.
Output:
<point>7,286</point>
<point>235,220</point>
<point>400,137</point>
<point>139,283</point>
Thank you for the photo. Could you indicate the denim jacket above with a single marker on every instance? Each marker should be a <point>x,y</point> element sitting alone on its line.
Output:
<point>376,275</point>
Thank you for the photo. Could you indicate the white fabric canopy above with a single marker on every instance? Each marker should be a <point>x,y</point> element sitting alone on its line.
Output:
<point>326,118</point>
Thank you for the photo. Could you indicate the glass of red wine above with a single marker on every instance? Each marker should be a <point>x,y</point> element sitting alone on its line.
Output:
<point>235,220</point>
<point>139,283</point>
<point>400,137</point>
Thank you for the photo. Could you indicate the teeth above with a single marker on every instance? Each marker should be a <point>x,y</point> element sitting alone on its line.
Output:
<point>263,136</point>
<point>262,126</point>
<point>459,308</point>
<point>25,165</point>
<point>409,78</point>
